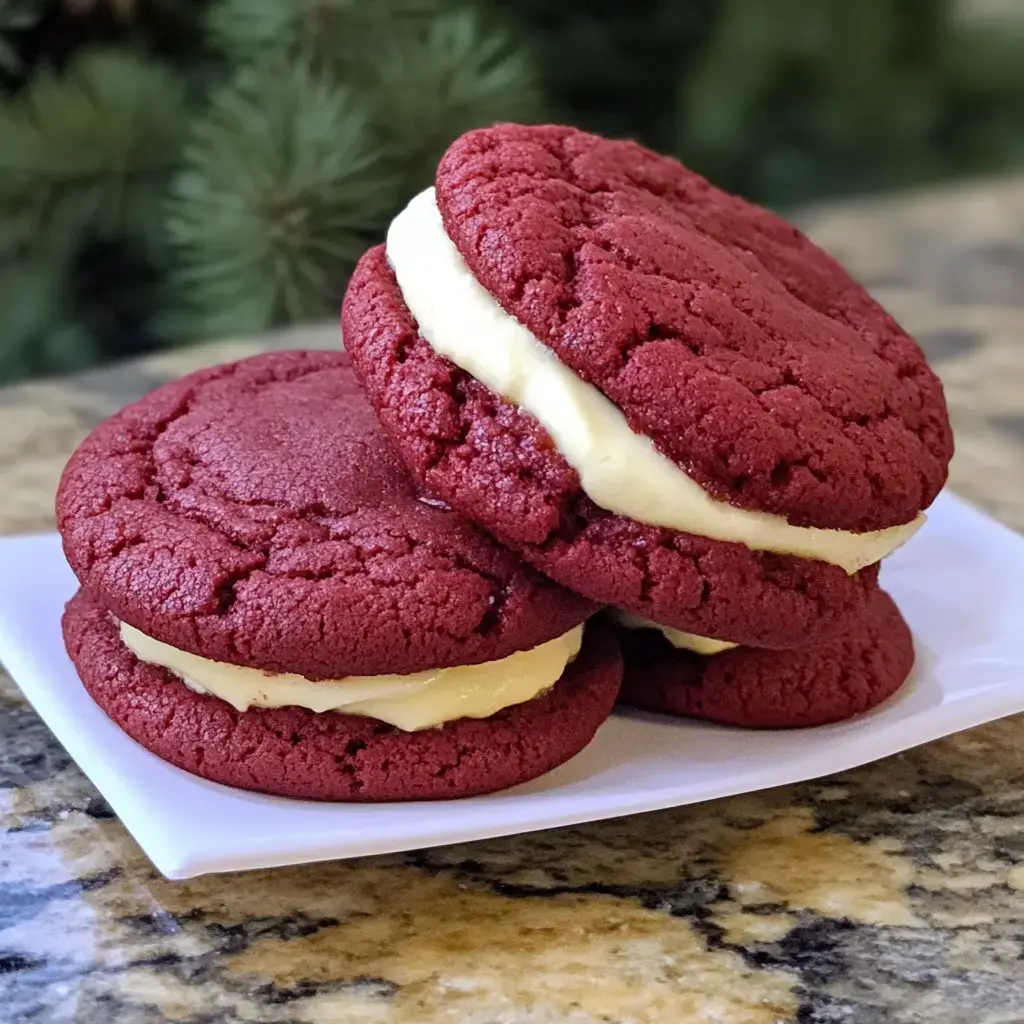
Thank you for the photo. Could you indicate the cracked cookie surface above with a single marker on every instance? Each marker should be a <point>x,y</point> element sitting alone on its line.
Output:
<point>254,514</point>
<point>498,467</point>
<point>828,681</point>
<point>332,756</point>
<point>746,353</point>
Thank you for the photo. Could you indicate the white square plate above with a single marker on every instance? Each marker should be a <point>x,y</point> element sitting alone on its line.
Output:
<point>958,583</point>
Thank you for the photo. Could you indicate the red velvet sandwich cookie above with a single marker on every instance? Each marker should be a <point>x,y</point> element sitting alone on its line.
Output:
<point>830,680</point>
<point>664,397</point>
<point>269,601</point>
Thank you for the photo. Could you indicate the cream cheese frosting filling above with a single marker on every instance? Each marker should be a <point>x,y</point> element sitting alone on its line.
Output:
<point>421,700</point>
<point>620,471</point>
<point>704,645</point>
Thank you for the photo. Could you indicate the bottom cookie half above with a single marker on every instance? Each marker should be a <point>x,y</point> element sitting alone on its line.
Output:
<point>331,756</point>
<point>828,681</point>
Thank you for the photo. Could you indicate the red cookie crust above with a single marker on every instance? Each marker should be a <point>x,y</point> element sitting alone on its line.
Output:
<point>254,513</point>
<point>828,681</point>
<point>743,350</point>
<point>498,467</point>
<point>296,753</point>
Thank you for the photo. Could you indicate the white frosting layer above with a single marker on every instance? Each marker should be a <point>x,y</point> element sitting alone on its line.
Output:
<point>619,470</point>
<point>410,702</point>
<point>705,645</point>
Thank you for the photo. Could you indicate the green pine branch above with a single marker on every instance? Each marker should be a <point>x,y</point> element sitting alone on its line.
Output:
<point>281,188</point>
<point>327,31</point>
<point>430,69</point>
<point>90,149</point>
<point>429,83</point>
<point>799,98</point>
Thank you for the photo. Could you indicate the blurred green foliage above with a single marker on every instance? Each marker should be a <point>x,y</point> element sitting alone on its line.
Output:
<point>172,170</point>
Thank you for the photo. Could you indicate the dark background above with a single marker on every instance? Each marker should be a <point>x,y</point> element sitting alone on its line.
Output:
<point>176,171</point>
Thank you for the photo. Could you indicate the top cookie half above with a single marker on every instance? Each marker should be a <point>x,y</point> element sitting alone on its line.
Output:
<point>253,514</point>
<point>746,353</point>
<point>698,364</point>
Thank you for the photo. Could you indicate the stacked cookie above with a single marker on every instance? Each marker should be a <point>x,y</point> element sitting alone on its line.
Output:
<point>593,404</point>
<point>268,600</point>
<point>668,401</point>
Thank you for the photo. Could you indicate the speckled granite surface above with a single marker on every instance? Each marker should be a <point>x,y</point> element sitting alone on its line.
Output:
<point>892,894</point>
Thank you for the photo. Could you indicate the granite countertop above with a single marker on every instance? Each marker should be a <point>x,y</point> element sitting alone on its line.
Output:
<point>894,893</point>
